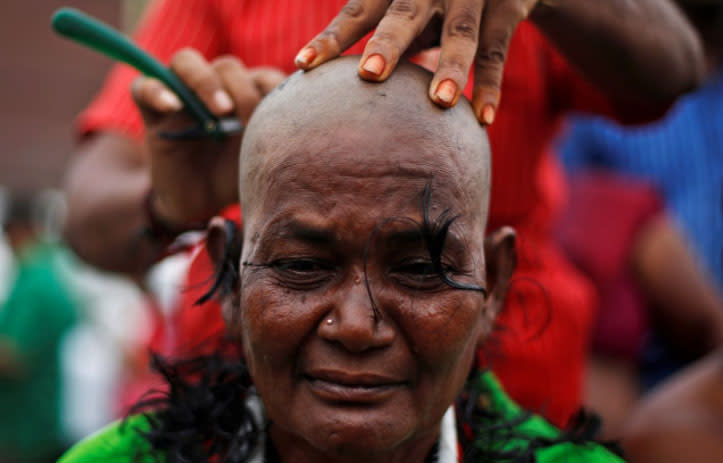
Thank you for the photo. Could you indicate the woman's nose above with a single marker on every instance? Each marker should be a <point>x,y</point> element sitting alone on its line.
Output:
<point>353,321</point>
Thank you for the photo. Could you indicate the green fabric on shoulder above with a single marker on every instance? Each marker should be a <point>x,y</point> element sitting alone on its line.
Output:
<point>532,427</point>
<point>122,442</point>
<point>119,442</point>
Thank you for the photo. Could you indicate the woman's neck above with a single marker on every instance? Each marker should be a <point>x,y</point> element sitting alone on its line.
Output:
<point>289,448</point>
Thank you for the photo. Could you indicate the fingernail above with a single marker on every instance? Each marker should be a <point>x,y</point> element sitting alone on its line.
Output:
<point>488,114</point>
<point>374,65</point>
<point>305,57</point>
<point>446,91</point>
<point>223,101</point>
<point>170,99</point>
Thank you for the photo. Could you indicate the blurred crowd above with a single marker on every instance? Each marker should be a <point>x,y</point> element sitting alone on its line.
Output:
<point>71,337</point>
<point>640,219</point>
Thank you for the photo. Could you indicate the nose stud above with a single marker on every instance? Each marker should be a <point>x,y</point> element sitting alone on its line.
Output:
<point>329,321</point>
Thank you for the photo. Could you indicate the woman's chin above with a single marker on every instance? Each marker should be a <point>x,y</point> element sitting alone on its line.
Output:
<point>360,431</point>
<point>347,431</point>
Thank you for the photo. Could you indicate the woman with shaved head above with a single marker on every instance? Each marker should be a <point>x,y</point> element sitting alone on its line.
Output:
<point>357,291</point>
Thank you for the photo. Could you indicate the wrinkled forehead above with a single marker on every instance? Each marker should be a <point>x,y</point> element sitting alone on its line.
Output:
<point>370,167</point>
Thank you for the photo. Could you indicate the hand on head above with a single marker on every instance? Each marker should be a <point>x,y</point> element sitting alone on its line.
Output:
<point>472,33</point>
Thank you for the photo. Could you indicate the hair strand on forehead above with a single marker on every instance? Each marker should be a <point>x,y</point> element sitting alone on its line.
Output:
<point>435,235</point>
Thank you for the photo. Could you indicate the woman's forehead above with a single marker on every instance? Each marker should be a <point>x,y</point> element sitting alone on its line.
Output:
<point>335,184</point>
<point>374,164</point>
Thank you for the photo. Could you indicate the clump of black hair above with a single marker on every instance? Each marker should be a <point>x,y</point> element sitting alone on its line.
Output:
<point>434,233</point>
<point>203,417</point>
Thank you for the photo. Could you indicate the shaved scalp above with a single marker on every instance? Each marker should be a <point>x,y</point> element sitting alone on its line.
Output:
<point>316,107</point>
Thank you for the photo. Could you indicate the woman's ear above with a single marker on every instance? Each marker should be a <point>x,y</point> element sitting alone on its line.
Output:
<point>500,263</point>
<point>216,239</point>
<point>223,244</point>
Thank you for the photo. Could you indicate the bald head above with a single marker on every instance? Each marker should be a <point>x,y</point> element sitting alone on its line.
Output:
<point>329,116</point>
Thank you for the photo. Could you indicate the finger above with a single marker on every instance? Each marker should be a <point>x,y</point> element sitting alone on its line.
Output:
<point>498,24</point>
<point>153,98</point>
<point>403,22</point>
<point>193,69</point>
<point>352,23</point>
<point>429,38</point>
<point>267,79</point>
<point>460,36</point>
<point>237,81</point>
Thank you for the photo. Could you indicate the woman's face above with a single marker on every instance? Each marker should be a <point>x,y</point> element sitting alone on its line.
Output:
<point>337,378</point>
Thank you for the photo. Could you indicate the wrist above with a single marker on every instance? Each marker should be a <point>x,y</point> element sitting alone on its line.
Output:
<point>161,227</point>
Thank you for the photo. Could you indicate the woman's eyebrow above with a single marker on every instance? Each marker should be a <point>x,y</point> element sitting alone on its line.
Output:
<point>300,231</point>
<point>414,236</point>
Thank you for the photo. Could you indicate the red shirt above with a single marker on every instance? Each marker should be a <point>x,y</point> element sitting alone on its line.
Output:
<point>540,349</point>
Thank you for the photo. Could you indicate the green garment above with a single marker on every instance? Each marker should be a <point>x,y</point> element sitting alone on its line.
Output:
<point>537,427</point>
<point>121,442</point>
<point>38,312</point>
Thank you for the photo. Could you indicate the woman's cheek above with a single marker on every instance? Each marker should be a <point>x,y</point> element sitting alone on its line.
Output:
<point>444,328</point>
<point>273,320</point>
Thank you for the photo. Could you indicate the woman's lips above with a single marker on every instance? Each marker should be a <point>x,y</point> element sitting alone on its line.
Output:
<point>340,386</point>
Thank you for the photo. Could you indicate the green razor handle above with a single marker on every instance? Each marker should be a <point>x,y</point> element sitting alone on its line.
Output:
<point>92,33</point>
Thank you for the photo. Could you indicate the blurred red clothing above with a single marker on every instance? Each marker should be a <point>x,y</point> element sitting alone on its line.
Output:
<point>540,349</point>
<point>597,196</point>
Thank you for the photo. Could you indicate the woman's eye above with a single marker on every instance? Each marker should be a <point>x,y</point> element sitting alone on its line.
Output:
<point>419,268</point>
<point>297,265</point>
<point>304,272</point>
<point>417,274</point>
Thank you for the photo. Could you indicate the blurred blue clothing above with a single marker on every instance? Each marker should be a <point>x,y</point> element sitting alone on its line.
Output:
<point>682,155</point>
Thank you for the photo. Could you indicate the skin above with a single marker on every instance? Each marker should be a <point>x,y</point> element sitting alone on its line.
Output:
<point>688,309</point>
<point>653,39</point>
<point>338,383</point>
<point>681,420</point>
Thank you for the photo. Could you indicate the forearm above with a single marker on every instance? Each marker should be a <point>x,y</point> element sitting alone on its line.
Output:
<point>688,308</point>
<point>643,53</point>
<point>106,186</point>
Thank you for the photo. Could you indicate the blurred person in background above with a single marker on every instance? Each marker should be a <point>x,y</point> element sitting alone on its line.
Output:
<point>132,192</point>
<point>37,313</point>
<point>645,222</point>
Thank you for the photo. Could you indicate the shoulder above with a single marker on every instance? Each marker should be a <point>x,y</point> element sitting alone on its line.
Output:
<point>552,445</point>
<point>119,442</point>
